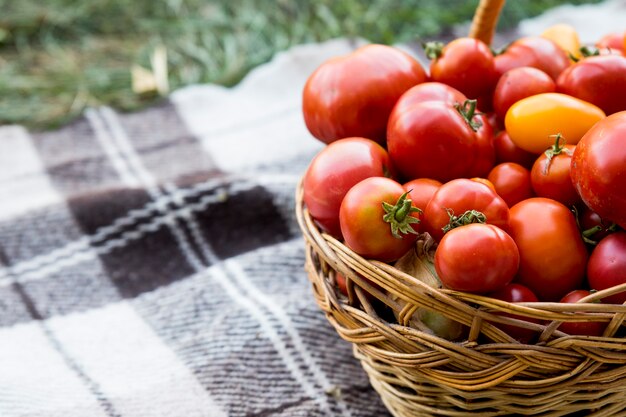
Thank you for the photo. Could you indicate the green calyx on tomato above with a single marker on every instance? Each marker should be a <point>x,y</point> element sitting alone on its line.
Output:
<point>500,50</point>
<point>468,110</point>
<point>593,227</point>
<point>555,150</point>
<point>399,216</point>
<point>589,233</point>
<point>433,50</point>
<point>469,217</point>
<point>585,51</point>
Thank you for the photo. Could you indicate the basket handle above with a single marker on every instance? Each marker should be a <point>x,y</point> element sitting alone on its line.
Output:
<point>485,20</point>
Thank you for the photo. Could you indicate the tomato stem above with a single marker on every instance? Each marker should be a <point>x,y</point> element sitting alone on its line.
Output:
<point>587,51</point>
<point>468,110</point>
<point>500,50</point>
<point>433,49</point>
<point>592,230</point>
<point>555,150</point>
<point>469,217</point>
<point>585,233</point>
<point>399,216</point>
<point>589,233</point>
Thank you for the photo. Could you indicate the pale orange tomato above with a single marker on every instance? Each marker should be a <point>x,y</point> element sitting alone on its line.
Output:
<point>484,181</point>
<point>565,36</point>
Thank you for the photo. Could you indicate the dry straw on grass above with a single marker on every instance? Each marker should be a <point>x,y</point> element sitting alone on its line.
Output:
<point>59,56</point>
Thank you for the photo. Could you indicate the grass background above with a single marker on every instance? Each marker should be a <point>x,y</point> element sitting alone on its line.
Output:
<point>59,56</point>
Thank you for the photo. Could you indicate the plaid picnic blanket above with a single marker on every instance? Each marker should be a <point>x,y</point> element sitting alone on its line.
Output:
<point>151,264</point>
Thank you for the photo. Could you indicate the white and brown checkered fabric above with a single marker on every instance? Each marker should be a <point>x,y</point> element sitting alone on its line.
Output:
<point>150,263</point>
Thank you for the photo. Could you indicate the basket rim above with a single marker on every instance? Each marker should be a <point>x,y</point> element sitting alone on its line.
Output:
<point>589,308</point>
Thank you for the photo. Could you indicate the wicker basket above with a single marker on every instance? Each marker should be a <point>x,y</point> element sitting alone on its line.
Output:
<point>487,373</point>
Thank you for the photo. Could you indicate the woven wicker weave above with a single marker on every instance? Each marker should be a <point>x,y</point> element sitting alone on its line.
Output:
<point>489,373</point>
<point>485,20</point>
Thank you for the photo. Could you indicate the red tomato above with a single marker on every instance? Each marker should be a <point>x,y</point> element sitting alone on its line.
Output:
<point>376,219</point>
<point>516,293</point>
<point>485,149</point>
<point>600,80</point>
<point>533,51</point>
<point>429,91</point>
<point>588,51</point>
<point>421,190</point>
<point>492,119</point>
<point>477,258</point>
<point>584,328</point>
<point>465,64</point>
<point>508,151</point>
<point>614,40</point>
<point>607,266</point>
<point>334,170</point>
<point>342,285</point>
<point>485,102</point>
<point>512,182</point>
<point>609,51</point>
<point>353,95</point>
<point>553,256</point>
<point>518,83</point>
<point>598,169</point>
<point>434,139</point>
<point>458,196</point>
<point>592,226</point>
<point>484,181</point>
<point>550,175</point>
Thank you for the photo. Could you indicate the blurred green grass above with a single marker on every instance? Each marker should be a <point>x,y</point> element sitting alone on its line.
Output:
<point>59,56</point>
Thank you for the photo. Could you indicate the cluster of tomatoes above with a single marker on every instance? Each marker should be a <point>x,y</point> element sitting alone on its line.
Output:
<point>514,163</point>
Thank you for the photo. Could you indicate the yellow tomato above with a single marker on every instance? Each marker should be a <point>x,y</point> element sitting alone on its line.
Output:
<point>533,121</point>
<point>565,36</point>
